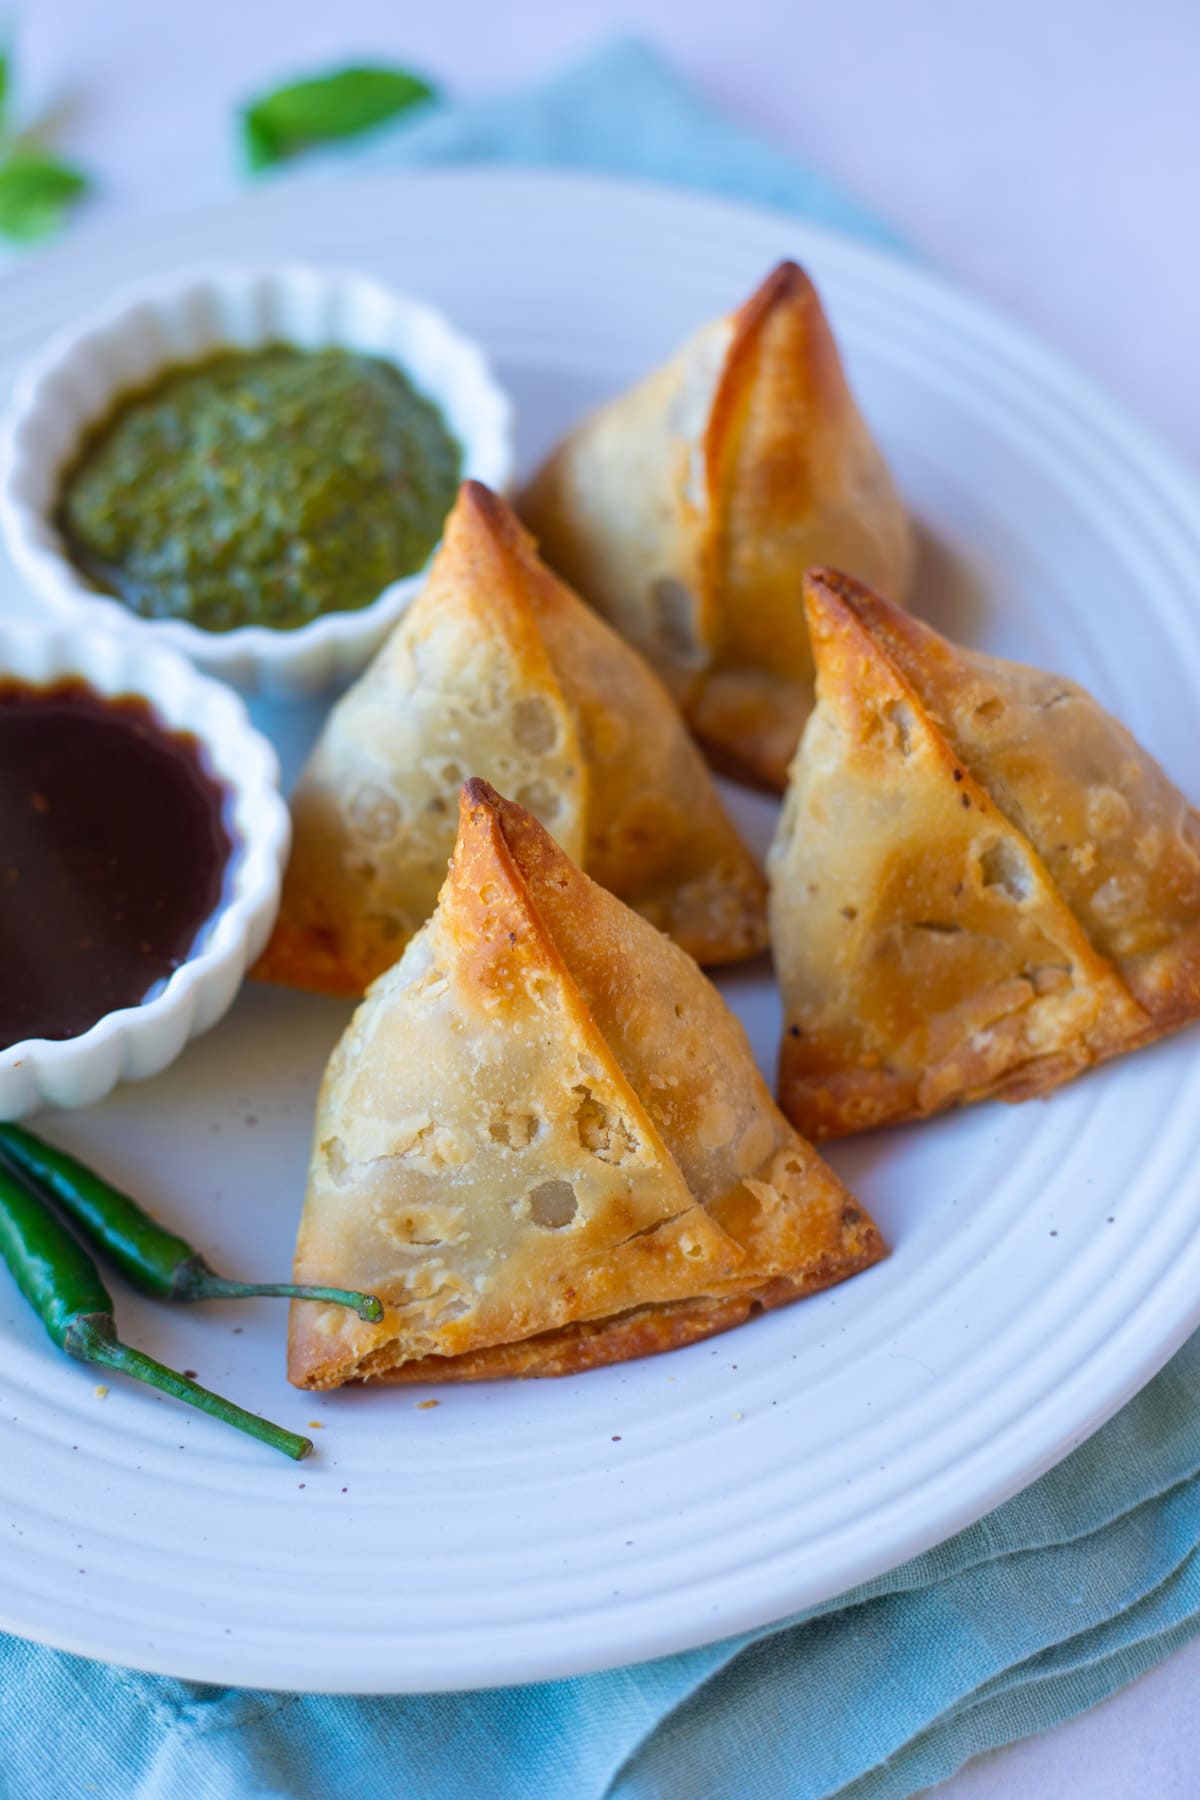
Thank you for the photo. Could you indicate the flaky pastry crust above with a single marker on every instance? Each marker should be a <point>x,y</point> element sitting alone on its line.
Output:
<point>544,1143</point>
<point>688,509</point>
<point>499,670</point>
<point>981,884</point>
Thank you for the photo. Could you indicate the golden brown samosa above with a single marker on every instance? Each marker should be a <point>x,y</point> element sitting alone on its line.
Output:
<point>981,884</point>
<point>688,509</point>
<point>544,1143</point>
<point>499,670</point>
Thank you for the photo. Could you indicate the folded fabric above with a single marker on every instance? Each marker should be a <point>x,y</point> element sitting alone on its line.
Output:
<point>619,112</point>
<point>1041,1609</point>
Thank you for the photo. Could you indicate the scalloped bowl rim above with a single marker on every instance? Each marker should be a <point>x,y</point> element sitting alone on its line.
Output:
<point>242,760</point>
<point>488,455</point>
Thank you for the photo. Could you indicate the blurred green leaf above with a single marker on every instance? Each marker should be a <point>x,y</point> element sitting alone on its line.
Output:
<point>327,107</point>
<point>35,194</point>
<point>5,85</point>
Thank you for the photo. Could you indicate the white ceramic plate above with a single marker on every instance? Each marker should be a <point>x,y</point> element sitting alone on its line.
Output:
<point>1046,1258</point>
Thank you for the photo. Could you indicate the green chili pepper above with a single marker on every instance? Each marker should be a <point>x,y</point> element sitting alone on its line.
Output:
<point>154,1259</point>
<point>63,1285</point>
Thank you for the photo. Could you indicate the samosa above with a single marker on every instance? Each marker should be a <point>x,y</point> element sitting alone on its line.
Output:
<point>688,509</point>
<point>498,670</point>
<point>981,884</point>
<point>544,1143</point>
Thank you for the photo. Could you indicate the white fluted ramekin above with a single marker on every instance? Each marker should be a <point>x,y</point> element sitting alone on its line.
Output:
<point>141,1040</point>
<point>80,376</point>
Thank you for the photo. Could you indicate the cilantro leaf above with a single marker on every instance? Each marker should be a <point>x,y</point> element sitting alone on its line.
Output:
<point>35,193</point>
<point>327,107</point>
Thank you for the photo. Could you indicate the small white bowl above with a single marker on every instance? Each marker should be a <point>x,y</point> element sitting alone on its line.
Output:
<point>141,1040</point>
<point>76,381</point>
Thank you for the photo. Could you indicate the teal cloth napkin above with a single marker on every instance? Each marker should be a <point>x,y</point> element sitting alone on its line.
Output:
<point>621,112</point>
<point>1038,1611</point>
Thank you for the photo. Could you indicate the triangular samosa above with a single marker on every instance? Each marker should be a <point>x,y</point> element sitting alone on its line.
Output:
<point>981,884</point>
<point>498,670</point>
<point>687,510</point>
<point>544,1143</point>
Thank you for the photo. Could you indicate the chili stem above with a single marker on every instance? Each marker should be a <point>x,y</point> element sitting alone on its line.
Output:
<point>207,1286</point>
<point>91,1340</point>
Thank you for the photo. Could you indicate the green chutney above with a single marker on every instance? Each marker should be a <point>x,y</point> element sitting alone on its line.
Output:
<point>261,487</point>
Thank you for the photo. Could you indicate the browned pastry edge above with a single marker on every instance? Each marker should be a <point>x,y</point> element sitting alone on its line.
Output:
<point>311,960</point>
<point>646,1331</point>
